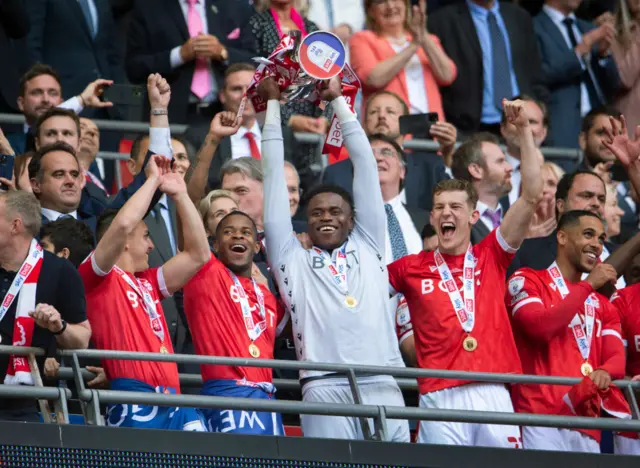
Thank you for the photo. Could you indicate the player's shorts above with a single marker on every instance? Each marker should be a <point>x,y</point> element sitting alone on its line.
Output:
<point>473,397</point>
<point>626,446</point>
<point>151,417</point>
<point>374,391</point>
<point>561,440</point>
<point>241,421</point>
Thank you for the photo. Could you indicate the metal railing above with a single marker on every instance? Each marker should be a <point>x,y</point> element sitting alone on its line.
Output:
<point>92,398</point>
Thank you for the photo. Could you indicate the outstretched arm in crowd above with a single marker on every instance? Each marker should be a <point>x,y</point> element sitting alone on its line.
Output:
<point>277,220</point>
<point>195,253</point>
<point>114,241</point>
<point>515,226</point>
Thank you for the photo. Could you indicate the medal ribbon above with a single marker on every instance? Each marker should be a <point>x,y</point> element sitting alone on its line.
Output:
<point>465,309</point>
<point>34,256</point>
<point>582,333</point>
<point>337,266</point>
<point>254,330</point>
<point>149,303</point>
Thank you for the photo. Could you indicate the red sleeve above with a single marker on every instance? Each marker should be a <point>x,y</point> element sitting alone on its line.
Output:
<point>620,306</point>
<point>500,250</point>
<point>613,354</point>
<point>404,327</point>
<point>91,275</point>
<point>397,271</point>
<point>535,318</point>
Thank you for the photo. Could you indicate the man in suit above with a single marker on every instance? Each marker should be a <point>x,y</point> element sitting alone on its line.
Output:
<point>39,91</point>
<point>423,170</point>
<point>77,38</point>
<point>404,224</point>
<point>247,140</point>
<point>481,162</point>
<point>88,148</point>
<point>14,26</point>
<point>578,67</point>
<point>580,190</point>
<point>56,176</point>
<point>539,124</point>
<point>191,43</point>
<point>493,46</point>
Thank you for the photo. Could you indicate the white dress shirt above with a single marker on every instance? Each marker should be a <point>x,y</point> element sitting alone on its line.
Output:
<point>176,59</point>
<point>412,238</point>
<point>516,178</point>
<point>482,207</point>
<point>53,215</point>
<point>94,15</point>
<point>163,203</point>
<point>240,145</point>
<point>328,14</point>
<point>557,17</point>
<point>414,74</point>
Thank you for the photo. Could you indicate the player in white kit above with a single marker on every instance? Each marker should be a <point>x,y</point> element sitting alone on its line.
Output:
<point>336,292</point>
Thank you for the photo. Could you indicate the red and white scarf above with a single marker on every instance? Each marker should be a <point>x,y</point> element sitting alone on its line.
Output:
<point>24,283</point>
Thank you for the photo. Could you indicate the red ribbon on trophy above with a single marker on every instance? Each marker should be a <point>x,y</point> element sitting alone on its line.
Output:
<point>298,65</point>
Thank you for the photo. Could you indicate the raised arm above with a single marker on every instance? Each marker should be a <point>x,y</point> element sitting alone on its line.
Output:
<point>186,263</point>
<point>367,196</point>
<point>114,240</point>
<point>277,221</point>
<point>515,226</point>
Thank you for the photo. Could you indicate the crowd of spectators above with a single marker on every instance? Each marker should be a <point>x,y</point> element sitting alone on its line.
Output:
<point>228,241</point>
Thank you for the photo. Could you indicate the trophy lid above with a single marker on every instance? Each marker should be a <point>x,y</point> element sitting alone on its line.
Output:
<point>322,55</point>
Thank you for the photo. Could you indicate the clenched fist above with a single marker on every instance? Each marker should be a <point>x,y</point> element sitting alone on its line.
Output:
<point>602,274</point>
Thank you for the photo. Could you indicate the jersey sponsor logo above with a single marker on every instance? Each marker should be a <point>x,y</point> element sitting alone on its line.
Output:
<point>402,316</point>
<point>24,271</point>
<point>318,262</point>
<point>146,284</point>
<point>515,285</point>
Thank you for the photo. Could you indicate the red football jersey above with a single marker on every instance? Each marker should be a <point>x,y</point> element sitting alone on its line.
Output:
<point>213,310</point>
<point>119,322</point>
<point>627,303</point>
<point>437,331</point>
<point>531,292</point>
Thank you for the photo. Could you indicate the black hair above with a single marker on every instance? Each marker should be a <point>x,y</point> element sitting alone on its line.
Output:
<point>565,184</point>
<point>571,218</point>
<point>428,231</point>
<point>329,188</point>
<point>56,112</point>
<point>234,213</point>
<point>104,221</point>
<point>35,165</point>
<point>589,120</point>
<point>70,234</point>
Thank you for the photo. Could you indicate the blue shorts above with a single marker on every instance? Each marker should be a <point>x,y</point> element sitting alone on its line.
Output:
<point>151,417</point>
<point>238,421</point>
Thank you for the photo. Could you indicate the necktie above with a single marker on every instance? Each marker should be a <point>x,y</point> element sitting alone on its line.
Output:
<point>253,146</point>
<point>501,70</point>
<point>86,11</point>
<point>330,16</point>
<point>162,233</point>
<point>494,216</point>
<point>64,216</point>
<point>200,85</point>
<point>596,97</point>
<point>398,246</point>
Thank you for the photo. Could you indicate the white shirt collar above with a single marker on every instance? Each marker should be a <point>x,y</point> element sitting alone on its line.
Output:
<point>398,201</point>
<point>482,207</point>
<point>255,129</point>
<point>557,16</point>
<point>53,215</point>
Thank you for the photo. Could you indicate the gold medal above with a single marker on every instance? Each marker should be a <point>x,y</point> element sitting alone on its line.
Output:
<point>350,302</point>
<point>470,344</point>
<point>164,350</point>
<point>586,368</point>
<point>254,350</point>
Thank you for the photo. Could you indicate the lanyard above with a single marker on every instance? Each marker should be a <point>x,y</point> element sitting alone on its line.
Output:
<point>337,267</point>
<point>465,310</point>
<point>581,333</point>
<point>34,256</point>
<point>254,330</point>
<point>149,303</point>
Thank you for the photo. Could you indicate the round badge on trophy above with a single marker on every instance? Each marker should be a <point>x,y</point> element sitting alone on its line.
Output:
<point>322,55</point>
